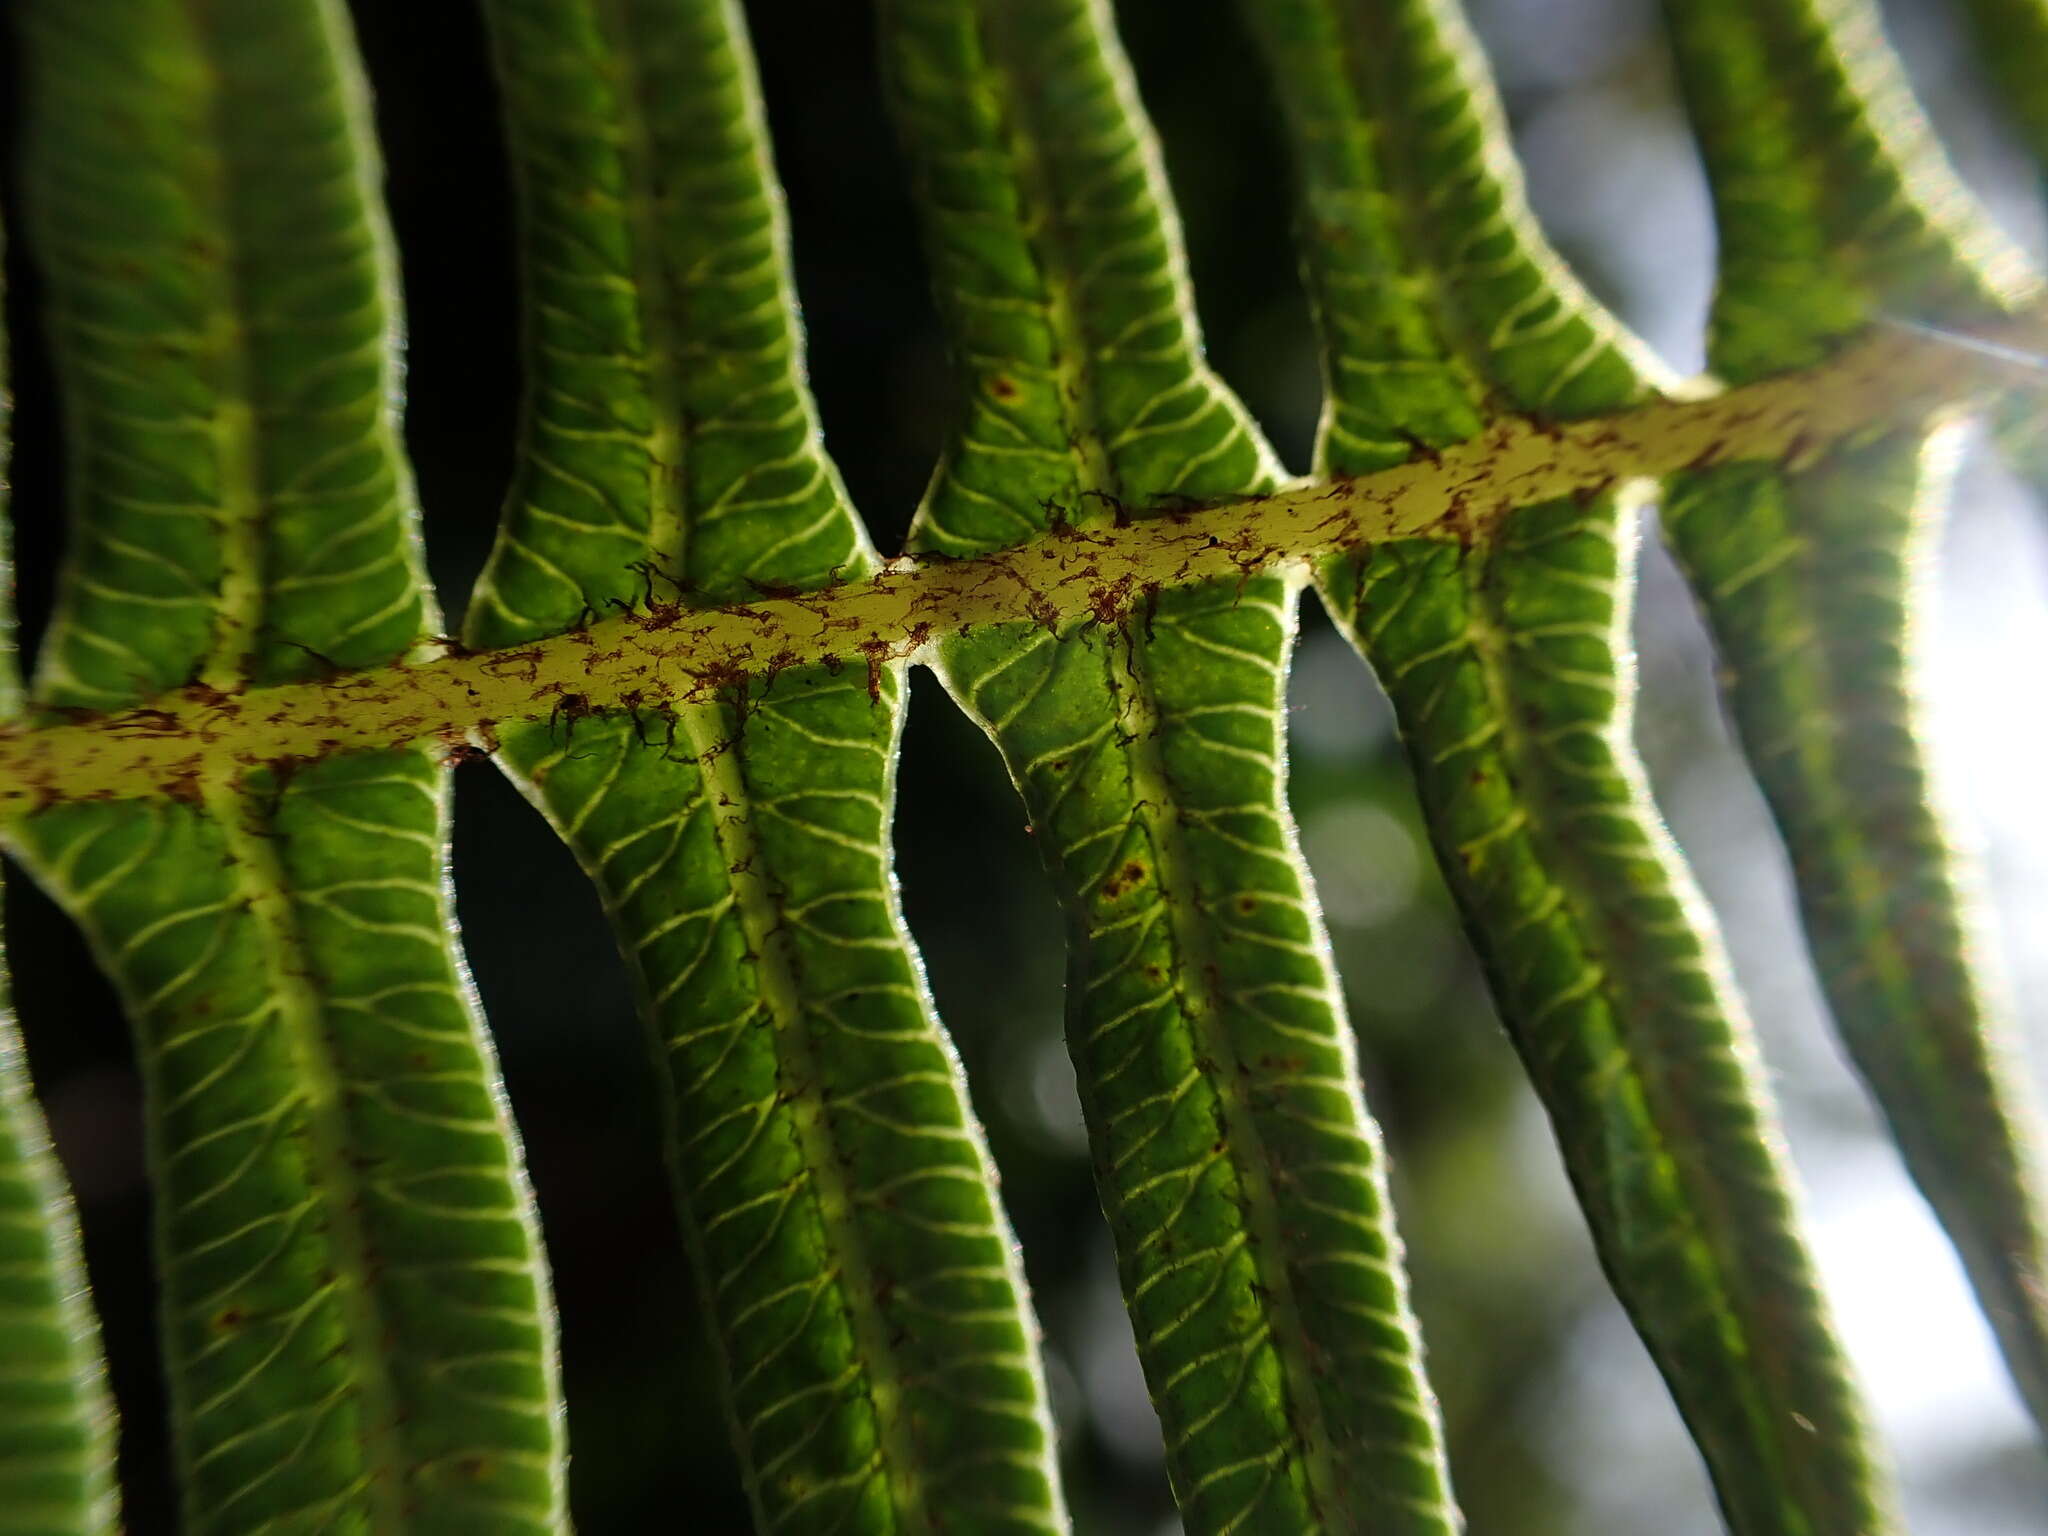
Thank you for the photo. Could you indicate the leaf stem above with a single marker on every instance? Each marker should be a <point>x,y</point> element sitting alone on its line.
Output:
<point>662,654</point>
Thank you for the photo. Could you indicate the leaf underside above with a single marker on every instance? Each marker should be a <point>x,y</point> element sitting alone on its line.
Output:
<point>56,1425</point>
<point>355,1316</point>
<point>1235,1161</point>
<point>1811,582</point>
<point>881,1361</point>
<point>1505,655</point>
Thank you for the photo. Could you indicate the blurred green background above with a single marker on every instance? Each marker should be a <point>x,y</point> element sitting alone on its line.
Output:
<point>1557,1422</point>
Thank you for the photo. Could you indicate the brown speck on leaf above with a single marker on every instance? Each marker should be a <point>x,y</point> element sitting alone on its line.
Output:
<point>1127,878</point>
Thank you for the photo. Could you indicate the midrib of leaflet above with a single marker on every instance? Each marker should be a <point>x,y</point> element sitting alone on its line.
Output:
<point>239,613</point>
<point>319,1079</point>
<point>668,458</point>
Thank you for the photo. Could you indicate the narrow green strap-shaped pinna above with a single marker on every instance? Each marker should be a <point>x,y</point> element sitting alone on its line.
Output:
<point>2012,50</point>
<point>862,1280</point>
<point>56,1423</point>
<point>2012,39</point>
<point>1237,1165</point>
<point>1811,579</point>
<point>355,1313</point>
<point>1504,647</point>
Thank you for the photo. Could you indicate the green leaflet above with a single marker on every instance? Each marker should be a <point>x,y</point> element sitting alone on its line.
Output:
<point>56,1424</point>
<point>882,1369</point>
<point>1834,200</point>
<point>355,1313</point>
<point>2013,38</point>
<point>1504,649</point>
<point>1809,583</point>
<point>1513,701</point>
<point>1236,1162</point>
<point>2012,47</point>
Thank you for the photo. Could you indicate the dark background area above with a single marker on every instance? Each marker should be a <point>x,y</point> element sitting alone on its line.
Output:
<point>1503,1278</point>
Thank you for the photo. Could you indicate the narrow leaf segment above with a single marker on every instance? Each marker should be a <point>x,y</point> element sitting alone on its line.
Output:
<point>56,1423</point>
<point>2013,38</point>
<point>864,1290</point>
<point>1811,580</point>
<point>1506,657</point>
<point>1239,1170</point>
<point>355,1313</point>
<point>2012,48</point>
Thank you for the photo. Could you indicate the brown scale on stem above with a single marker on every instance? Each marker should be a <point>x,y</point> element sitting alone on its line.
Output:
<point>664,653</point>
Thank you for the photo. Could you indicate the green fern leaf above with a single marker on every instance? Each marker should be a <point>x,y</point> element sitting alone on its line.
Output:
<point>1810,583</point>
<point>1235,1159</point>
<point>355,1315</point>
<point>869,1308</point>
<point>2013,38</point>
<point>1504,648</point>
<point>2012,47</point>
<point>56,1423</point>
